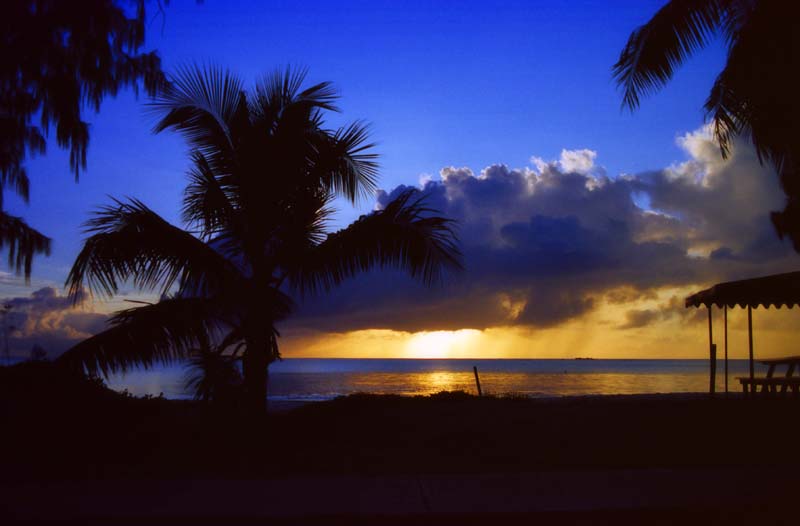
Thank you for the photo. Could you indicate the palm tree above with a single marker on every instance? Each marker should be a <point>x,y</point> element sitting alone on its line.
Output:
<point>755,95</point>
<point>264,176</point>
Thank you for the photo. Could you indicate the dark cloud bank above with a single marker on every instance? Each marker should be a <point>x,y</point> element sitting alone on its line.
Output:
<point>542,244</point>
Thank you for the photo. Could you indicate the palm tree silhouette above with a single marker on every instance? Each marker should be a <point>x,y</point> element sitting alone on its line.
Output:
<point>755,95</point>
<point>265,173</point>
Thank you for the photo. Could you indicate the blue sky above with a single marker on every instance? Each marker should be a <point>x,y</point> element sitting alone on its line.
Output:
<point>560,260</point>
<point>443,84</point>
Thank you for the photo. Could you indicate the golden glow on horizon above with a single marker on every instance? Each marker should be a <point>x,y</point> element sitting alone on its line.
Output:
<point>604,332</point>
<point>439,344</point>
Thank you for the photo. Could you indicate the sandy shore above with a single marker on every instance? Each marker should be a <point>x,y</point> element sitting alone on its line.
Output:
<point>79,450</point>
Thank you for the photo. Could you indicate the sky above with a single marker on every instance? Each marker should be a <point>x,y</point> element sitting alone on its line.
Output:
<point>583,225</point>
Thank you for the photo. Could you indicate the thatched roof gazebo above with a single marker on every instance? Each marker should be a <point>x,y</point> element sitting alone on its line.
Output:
<point>778,290</point>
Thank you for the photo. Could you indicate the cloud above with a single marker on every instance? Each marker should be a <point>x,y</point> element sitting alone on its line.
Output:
<point>50,320</point>
<point>637,318</point>
<point>542,244</point>
<point>718,204</point>
<point>571,161</point>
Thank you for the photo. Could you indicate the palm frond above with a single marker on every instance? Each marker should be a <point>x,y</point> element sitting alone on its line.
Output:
<point>737,17</point>
<point>320,96</point>
<point>211,375</point>
<point>159,333</point>
<point>208,202</point>
<point>654,50</point>
<point>205,105</point>
<point>232,339</point>
<point>291,242</point>
<point>277,93</point>
<point>22,243</point>
<point>345,162</point>
<point>16,178</point>
<point>751,96</point>
<point>130,241</point>
<point>727,111</point>
<point>406,235</point>
<point>300,110</point>
<point>21,138</point>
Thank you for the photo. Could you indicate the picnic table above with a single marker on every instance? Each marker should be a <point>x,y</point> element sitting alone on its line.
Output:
<point>772,384</point>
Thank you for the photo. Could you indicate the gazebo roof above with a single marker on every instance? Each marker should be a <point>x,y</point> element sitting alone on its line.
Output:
<point>776,290</point>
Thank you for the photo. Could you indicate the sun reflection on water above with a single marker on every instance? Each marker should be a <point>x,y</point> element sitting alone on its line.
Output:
<point>331,378</point>
<point>524,384</point>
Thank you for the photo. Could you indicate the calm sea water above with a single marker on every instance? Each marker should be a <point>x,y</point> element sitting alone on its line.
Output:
<point>323,379</point>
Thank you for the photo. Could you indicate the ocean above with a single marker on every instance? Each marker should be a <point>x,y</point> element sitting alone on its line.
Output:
<point>297,380</point>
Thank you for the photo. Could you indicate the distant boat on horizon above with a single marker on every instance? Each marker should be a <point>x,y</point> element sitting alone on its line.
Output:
<point>584,358</point>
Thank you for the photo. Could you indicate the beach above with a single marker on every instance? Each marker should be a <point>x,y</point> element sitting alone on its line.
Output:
<point>576,455</point>
<point>399,262</point>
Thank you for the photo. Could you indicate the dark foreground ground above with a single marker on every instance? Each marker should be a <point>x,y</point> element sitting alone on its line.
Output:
<point>73,449</point>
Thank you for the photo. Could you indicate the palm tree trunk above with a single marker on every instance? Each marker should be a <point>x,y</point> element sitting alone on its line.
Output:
<point>255,365</point>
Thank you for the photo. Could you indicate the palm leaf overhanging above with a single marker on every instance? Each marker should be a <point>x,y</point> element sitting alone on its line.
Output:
<point>656,49</point>
<point>755,94</point>
<point>264,174</point>
<point>20,240</point>
<point>143,336</point>
<point>58,58</point>
<point>22,243</point>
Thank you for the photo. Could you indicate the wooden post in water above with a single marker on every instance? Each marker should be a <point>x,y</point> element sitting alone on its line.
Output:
<point>477,380</point>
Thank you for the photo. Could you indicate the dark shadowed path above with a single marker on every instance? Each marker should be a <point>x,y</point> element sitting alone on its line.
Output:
<point>562,496</point>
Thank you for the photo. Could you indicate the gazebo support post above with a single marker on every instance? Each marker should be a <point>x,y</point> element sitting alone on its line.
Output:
<point>725,317</point>
<point>750,340</point>
<point>712,357</point>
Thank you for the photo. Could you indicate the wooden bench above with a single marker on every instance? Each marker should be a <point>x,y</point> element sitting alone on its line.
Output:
<point>772,384</point>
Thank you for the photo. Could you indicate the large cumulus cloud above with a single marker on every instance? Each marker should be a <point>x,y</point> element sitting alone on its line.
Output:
<point>542,243</point>
<point>48,319</point>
